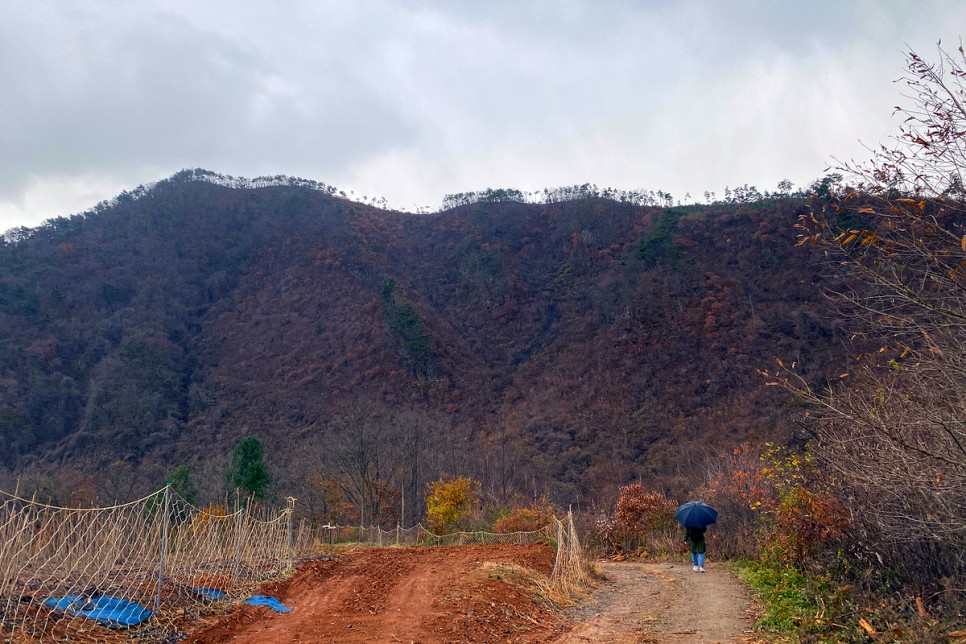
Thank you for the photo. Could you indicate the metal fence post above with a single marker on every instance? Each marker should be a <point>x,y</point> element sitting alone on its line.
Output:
<point>164,544</point>
<point>238,543</point>
<point>291,548</point>
<point>570,537</point>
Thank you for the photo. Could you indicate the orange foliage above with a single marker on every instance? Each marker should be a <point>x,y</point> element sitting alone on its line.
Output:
<point>211,514</point>
<point>776,497</point>
<point>527,518</point>
<point>643,521</point>
<point>803,521</point>
<point>637,509</point>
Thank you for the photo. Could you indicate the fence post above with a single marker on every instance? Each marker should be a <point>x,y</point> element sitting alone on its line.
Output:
<point>570,537</point>
<point>291,547</point>
<point>164,544</point>
<point>238,543</point>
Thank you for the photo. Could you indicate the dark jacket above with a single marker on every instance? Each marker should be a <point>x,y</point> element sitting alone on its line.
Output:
<point>695,539</point>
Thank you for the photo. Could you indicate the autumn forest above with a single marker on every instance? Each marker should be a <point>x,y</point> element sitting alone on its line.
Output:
<point>563,348</point>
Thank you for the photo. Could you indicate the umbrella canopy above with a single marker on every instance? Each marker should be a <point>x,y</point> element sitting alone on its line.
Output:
<point>696,514</point>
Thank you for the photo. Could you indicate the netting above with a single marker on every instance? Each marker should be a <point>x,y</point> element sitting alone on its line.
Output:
<point>148,569</point>
<point>417,535</point>
<point>570,570</point>
<point>138,571</point>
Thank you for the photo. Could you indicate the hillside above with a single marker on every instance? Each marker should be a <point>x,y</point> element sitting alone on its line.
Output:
<point>563,347</point>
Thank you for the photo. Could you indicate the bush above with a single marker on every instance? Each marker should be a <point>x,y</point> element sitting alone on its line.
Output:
<point>802,525</point>
<point>738,490</point>
<point>644,522</point>
<point>526,518</point>
<point>774,503</point>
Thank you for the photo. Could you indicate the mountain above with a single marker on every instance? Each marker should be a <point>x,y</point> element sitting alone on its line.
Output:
<point>563,347</point>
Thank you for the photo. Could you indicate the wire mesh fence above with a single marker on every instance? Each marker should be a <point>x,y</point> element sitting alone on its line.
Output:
<point>570,567</point>
<point>148,569</point>
<point>417,535</point>
<point>140,570</point>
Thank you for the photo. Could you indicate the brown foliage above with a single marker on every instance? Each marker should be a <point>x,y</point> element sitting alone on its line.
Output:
<point>638,509</point>
<point>644,520</point>
<point>773,501</point>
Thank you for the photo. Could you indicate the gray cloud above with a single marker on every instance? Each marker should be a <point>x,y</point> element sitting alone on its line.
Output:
<point>413,100</point>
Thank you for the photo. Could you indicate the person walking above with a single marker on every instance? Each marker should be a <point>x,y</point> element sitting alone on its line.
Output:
<point>696,516</point>
<point>695,539</point>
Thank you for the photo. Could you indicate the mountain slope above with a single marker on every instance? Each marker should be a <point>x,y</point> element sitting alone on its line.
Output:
<point>567,346</point>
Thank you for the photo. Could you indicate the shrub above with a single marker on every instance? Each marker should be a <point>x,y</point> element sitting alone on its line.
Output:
<point>644,521</point>
<point>773,503</point>
<point>802,524</point>
<point>452,503</point>
<point>738,490</point>
<point>526,518</point>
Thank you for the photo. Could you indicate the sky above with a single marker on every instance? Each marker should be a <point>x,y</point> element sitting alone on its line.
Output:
<point>413,100</point>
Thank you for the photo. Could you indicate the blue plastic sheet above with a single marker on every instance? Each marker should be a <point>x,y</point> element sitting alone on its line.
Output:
<point>211,594</point>
<point>113,612</point>
<point>272,602</point>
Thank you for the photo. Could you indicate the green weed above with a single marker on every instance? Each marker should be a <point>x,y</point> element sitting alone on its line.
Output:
<point>793,605</point>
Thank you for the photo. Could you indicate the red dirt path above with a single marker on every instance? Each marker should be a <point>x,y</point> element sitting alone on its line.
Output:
<point>438,594</point>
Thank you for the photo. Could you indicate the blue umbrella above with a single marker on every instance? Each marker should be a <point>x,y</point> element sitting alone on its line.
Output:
<point>696,514</point>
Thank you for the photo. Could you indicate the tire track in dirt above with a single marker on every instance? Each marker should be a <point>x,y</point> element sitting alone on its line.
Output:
<point>654,603</point>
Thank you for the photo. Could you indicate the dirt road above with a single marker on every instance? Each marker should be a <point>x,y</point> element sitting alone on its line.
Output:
<point>657,603</point>
<point>485,594</point>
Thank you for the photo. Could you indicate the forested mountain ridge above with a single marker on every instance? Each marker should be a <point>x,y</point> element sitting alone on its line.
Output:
<point>561,347</point>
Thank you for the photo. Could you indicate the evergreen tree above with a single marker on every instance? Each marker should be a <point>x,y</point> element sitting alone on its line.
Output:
<point>246,471</point>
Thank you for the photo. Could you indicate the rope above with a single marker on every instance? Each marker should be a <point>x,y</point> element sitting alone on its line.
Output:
<point>38,504</point>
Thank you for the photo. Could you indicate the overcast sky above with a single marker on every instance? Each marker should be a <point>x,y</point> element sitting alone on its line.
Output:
<point>413,100</point>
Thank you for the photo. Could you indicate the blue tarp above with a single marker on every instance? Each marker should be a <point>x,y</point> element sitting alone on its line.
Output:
<point>103,609</point>
<point>211,594</point>
<point>272,602</point>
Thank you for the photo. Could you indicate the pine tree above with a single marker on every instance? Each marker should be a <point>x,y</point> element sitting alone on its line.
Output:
<point>246,471</point>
